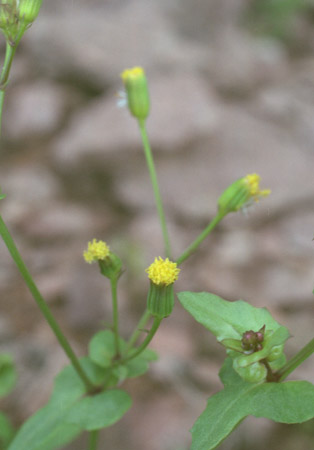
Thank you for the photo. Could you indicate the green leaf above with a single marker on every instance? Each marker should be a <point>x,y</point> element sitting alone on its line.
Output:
<point>139,365</point>
<point>100,411</point>
<point>102,348</point>
<point>289,402</point>
<point>226,320</point>
<point>6,431</point>
<point>48,428</point>
<point>7,374</point>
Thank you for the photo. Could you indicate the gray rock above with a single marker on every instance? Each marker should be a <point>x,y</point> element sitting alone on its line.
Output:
<point>183,110</point>
<point>59,220</point>
<point>27,188</point>
<point>34,109</point>
<point>94,43</point>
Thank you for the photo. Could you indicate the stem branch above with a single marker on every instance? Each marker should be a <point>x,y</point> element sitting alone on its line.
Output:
<point>139,329</point>
<point>145,343</point>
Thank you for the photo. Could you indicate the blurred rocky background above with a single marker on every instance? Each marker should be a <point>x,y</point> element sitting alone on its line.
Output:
<point>232,92</point>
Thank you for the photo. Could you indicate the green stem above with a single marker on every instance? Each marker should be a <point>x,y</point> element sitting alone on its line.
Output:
<point>93,440</point>
<point>145,343</point>
<point>200,238</point>
<point>154,181</point>
<point>114,282</point>
<point>138,330</point>
<point>4,232</point>
<point>9,55</point>
<point>298,359</point>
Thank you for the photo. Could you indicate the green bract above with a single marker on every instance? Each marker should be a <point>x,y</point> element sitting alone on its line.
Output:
<point>111,266</point>
<point>160,300</point>
<point>254,373</point>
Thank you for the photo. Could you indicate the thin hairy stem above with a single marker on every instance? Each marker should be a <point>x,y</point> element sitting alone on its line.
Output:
<point>8,240</point>
<point>298,359</point>
<point>9,55</point>
<point>154,181</point>
<point>93,440</point>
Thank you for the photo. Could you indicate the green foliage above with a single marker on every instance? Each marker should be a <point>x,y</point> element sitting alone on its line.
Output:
<point>6,431</point>
<point>229,320</point>
<point>7,383</point>
<point>102,353</point>
<point>289,402</point>
<point>7,374</point>
<point>69,411</point>
<point>243,373</point>
<point>102,348</point>
<point>101,410</point>
<point>276,17</point>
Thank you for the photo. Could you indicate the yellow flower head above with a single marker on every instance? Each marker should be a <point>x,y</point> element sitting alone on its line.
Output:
<point>163,272</point>
<point>96,250</point>
<point>252,181</point>
<point>132,74</point>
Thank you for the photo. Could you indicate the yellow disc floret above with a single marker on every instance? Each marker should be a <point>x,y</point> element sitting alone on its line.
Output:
<point>163,272</point>
<point>252,182</point>
<point>134,73</point>
<point>96,250</point>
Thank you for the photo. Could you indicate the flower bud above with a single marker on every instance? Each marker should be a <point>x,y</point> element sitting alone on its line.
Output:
<point>29,9</point>
<point>241,193</point>
<point>162,275</point>
<point>5,14</point>
<point>252,341</point>
<point>135,84</point>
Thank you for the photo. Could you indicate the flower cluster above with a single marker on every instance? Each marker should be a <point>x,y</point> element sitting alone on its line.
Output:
<point>255,350</point>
